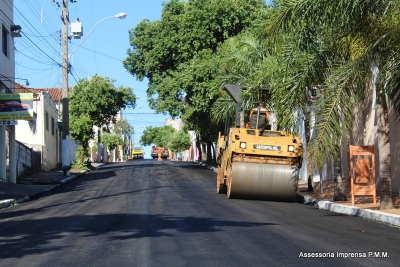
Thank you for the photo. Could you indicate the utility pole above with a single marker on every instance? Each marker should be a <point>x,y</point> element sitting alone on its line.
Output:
<point>65,110</point>
<point>65,69</point>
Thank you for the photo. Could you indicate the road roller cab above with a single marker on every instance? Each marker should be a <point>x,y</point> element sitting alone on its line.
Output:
<point>259,118</point>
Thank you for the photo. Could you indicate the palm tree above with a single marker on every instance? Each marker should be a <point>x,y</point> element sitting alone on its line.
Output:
<point>343,39</point>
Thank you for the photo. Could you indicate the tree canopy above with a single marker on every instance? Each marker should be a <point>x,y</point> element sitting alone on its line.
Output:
<point>94,102</point>
<point>111,141</point>
<point>123,127</point>
<point>180,141</point>
<point>159,136</point>
<point>178,54</point>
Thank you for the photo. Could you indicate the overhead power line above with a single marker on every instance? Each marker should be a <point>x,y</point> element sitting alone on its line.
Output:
<point>34,28</point>
<point>40,49</point>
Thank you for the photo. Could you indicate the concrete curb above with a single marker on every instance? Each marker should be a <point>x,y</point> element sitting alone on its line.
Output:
<point>393,219</point>
<point>369,214</point>
<point>9,202</point>
<point>70,178</point>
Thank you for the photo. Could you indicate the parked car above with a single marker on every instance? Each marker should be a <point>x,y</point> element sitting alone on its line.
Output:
<point>13,105</point>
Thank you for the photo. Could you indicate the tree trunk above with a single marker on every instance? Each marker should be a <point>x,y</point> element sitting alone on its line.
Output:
<point>339,194</point>
<point>198,145</point>
<point>209,154</point>
<point>310,187</point>
<point>204,152</point>
<point>214,159</point>
<point>385,181</point>
<point>307,130</point>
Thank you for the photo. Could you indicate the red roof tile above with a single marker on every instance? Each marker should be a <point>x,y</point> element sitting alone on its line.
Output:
<point>56,93</point>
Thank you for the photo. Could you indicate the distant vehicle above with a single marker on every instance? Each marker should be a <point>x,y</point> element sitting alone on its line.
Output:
<point>13,105</point>
<point>137,152</point>
<point>164,151</point>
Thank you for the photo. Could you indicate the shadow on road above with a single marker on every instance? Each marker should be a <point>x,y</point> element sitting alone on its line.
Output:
<point>18,244</point>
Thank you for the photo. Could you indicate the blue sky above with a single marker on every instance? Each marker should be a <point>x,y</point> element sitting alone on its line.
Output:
<point>38,51</point>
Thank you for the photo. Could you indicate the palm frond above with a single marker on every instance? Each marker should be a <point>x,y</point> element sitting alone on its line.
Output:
<point>334,111</point>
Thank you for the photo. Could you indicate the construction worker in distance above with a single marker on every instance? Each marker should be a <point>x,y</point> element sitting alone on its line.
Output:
<point>159,155</point>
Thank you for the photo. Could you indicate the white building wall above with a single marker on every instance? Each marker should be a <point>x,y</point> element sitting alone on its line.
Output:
<point>175,123</point>
<point>36,135</point>
<point>7,67</point>
<point>7,82</point>
<point>50,134</point>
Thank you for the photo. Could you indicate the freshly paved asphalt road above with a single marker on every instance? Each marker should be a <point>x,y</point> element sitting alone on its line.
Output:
<point>150,213</point>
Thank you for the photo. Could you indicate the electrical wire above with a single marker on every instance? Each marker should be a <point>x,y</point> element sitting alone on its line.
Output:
<point>32,26</point>
<point>33,59</point>
<point>38,70</point>
<point>74,77</point>
<point>33,52</point>
<point>102,54</point>
<point>6,16</point>
<point>41,49</point>
<point>42,17</point>
<point>42,36</point>
<point>34,56</point>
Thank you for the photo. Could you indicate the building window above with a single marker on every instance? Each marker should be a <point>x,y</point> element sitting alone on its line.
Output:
<point>4,41</point>
<point>46,120</point>
<point>52,125</point>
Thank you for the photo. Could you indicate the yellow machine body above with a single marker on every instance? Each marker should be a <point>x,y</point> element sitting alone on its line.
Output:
<point>137,152</point>
<point>259,164</point>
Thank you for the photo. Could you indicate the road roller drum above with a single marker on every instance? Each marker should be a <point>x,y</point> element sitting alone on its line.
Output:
<point>263,181</point>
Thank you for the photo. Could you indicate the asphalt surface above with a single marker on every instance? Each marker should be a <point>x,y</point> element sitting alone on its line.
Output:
<point>150,213</point>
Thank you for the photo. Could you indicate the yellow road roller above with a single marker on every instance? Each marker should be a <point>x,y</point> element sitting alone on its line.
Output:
<point>255,162</point>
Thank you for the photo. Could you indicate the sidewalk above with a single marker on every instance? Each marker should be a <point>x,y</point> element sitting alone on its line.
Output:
<point>33,185</point>
<point>363,206</point>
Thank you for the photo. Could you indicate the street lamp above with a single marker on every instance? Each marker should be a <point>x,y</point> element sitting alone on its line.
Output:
<point>65,68</point>
<point>119,74</point>
<point>121,15</point>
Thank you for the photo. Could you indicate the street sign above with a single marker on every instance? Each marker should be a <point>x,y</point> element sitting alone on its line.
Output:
<point>91,144</point>
<point>9,122</point>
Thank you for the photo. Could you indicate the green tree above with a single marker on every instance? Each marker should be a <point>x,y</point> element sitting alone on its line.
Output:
<point>123,128</point>
<point>180,141</point>
<point>160,136</point>
<point>351,46</point>
<point>178,56</point>
<point>81,129</point>
<point>112,141</point>
<point>95,102</point>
